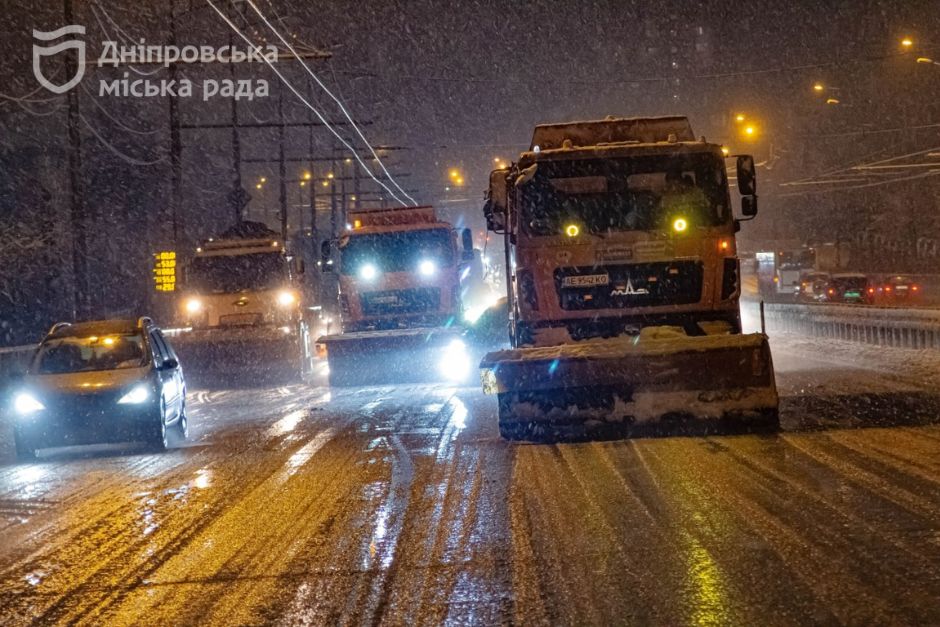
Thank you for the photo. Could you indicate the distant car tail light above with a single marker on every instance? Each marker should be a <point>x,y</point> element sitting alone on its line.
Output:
<point>871,290</point>
<point>831,291</point>
<point>887,288</point>
<point>914,288</point>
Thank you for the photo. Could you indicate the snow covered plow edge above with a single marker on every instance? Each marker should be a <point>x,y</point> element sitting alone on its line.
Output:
<point>638,385</point>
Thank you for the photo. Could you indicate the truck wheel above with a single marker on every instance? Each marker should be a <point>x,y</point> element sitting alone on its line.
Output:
<point>510,427</point>
<point>24,449</point>
<point>514,431</point>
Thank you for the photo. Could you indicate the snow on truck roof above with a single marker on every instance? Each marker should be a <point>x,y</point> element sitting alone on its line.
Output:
<point>401,218</point>
<point>612,131</point>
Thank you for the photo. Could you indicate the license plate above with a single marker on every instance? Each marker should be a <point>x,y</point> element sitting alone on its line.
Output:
<point>240,319</point>
<point>385,300</point>
<point>585,280</point>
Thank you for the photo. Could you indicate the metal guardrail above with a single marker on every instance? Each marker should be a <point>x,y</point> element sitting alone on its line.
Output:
<point>14,359</point>
<point>882,326</point>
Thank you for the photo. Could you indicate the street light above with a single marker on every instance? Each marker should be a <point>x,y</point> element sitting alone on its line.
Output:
<point>258,186</point>
<point>264,179</point>
<point>818,87</point>
<point>907,42</point>
<point>307,176</point>
<point>927,61</point>
<point>739,117</point>
<point>832,101</point>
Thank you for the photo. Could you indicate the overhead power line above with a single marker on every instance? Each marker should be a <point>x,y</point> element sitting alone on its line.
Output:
<point>319,115</point>
<point>331,95</point>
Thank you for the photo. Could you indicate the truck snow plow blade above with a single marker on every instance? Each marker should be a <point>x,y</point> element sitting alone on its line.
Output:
<point>249,356</point>
<point>396,356</point>
<point>643,386</point>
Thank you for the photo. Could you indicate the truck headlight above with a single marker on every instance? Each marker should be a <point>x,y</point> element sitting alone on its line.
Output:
<point>455,363</point>
<point>286,299</point>
<point>26,404</point>
<point>368,272</point>
<point>193,305</point>
<point>427,268</point>
<point>137,395</point>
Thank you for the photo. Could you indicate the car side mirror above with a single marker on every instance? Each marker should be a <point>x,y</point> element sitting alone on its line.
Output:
<point>749,206</point>
<point>747,175</point>
<point>169,364</point>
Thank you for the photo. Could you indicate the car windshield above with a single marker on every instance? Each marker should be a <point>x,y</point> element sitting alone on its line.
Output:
<point>601,195</point>
<point>850,282</point>
<point>226,274</point>
<point>397,252</point>
<point>96,352</point>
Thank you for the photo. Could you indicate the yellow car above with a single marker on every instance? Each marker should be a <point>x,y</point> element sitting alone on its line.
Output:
<point>104,381</point>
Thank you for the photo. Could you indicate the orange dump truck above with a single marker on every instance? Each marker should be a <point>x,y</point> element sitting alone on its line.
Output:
<point>624,282</point>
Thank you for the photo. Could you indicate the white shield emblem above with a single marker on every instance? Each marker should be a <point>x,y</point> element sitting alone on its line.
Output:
<point>46,51</point>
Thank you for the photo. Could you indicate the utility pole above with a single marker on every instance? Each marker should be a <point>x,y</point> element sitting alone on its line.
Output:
<point>77,217</point>
<point>282,166</point>
<point>176,149</point>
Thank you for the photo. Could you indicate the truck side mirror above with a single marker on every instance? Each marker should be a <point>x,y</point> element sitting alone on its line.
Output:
<point>494,210</point>
<point>747,175</point>
<point>749,206</point>
<point>467,237</point>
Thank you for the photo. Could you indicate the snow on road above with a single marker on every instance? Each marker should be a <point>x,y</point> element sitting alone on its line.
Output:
<point>400,504</point>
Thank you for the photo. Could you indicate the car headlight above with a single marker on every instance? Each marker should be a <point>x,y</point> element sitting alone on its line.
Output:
<point>455,363</point>
<point>137,394</point>
<point>368,272</point>
<point>26,404</point>
<point>285,298</point>
<point>193,305</point>
<point>427,268</point>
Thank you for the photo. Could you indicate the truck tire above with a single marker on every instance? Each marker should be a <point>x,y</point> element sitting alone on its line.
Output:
<point>25,451</point>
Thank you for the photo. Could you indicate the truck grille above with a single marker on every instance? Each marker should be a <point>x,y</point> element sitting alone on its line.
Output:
<point>629,285</point>
<point>407,301</point>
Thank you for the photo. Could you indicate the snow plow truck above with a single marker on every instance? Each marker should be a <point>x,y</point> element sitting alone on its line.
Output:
<point>241,309</point>
<point>399,298</point>
<point>624,283</point>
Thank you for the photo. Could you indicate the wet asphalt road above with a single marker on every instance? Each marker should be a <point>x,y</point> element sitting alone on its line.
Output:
<point>401,505</point>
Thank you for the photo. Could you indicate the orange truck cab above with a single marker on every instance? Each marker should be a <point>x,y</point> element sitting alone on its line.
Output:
<point>399,291</point>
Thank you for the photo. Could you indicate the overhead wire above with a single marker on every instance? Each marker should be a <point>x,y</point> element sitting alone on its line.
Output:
<point>316,112</point>
<point>121,155</point>
<point>115,120</point>
<point>335,99</point>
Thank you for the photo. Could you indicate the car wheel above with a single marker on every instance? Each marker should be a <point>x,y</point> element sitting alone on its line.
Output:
<point>182,425</point>
<point>158,438</point>
<point>24,450</point>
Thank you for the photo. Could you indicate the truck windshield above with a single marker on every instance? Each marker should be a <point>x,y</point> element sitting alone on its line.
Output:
<point>397,252</point>
<point>794,260</point>
<point>635,194</point>
<point>235,273</point>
